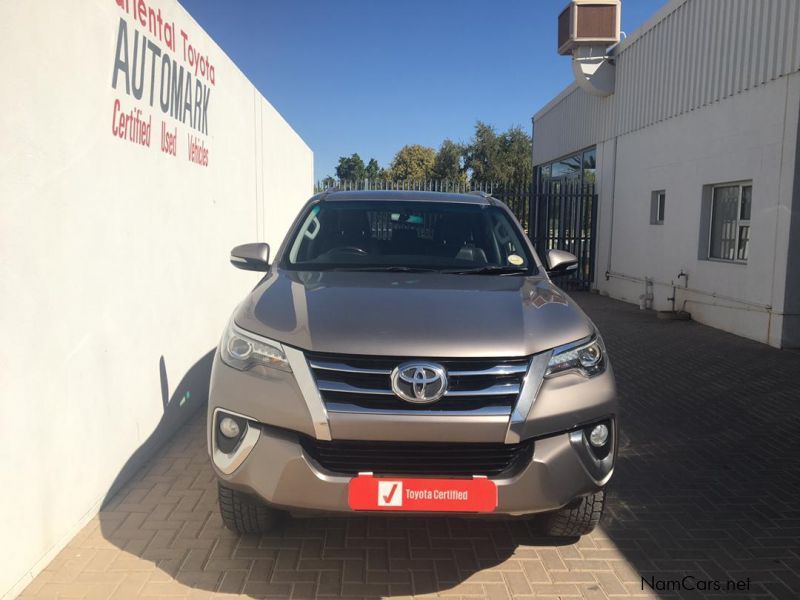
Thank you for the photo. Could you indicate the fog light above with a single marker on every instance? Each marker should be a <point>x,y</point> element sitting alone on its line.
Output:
<point>599,435</point>
<point>229,428</point>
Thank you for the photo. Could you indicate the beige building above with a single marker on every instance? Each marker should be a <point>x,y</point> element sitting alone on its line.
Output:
<point>695,156</point>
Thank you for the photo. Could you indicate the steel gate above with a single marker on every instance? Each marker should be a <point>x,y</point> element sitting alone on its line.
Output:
<point>565,217</point>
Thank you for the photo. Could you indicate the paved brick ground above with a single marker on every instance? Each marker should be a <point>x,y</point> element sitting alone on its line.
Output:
<point>707,486</point>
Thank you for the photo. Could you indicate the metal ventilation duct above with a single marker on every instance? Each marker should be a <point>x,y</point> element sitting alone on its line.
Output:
<point>594,70</point>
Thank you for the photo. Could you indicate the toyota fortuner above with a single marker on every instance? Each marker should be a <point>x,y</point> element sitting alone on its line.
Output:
<point>408,352</point>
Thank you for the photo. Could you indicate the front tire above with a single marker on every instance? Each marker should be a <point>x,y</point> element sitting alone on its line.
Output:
<point>243,513</point>
<point>577,518</point>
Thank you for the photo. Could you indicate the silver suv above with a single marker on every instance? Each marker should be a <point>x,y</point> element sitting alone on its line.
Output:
<point>408,352</point>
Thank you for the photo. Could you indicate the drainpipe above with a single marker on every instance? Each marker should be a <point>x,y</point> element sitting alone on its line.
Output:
<point>611,223</point>
<point>646,299</point>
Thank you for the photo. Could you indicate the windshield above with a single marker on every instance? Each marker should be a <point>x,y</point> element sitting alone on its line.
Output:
<point>381,235</point>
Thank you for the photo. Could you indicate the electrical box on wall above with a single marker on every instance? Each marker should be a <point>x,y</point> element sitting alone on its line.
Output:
<point>587,23</point>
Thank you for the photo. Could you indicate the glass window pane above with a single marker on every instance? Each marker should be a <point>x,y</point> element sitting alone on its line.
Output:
<point>744,242</point>
<point>662,198</point>
<point>724,210</point>
<point>747,196</point>
<point>589,166</point>
<point>568,168</point>
<point>589,157</point>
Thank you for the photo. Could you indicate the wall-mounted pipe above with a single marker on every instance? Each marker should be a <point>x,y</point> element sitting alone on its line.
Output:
<point>635,279</point>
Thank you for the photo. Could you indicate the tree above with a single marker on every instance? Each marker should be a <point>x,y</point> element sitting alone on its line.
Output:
<point>482,154</point>
<point>516,147</point>
<point>489,157</point>
<point>373,170</point>
<point>350,168</point>
<point>503,157</point>
<point>447,164</point>
<point>412,163</point>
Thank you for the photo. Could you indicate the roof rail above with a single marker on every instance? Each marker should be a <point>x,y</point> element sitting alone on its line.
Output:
<point>321,195</point>
<point>480,193</point>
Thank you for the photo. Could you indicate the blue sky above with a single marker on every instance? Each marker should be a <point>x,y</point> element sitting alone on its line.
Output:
<point>372,76</point>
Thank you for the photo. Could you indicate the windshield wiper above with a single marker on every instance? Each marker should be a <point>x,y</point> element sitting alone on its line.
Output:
<point>490,270</point>
<point>388,268</point>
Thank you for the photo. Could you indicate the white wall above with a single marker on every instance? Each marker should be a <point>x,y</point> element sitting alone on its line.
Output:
<point>113,256</point>
<point>750,136</point>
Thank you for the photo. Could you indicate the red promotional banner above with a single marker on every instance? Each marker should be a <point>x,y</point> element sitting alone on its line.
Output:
<point>426,495</point>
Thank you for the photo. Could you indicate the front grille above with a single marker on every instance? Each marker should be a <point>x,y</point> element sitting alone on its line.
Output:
<point>345,382</point>
<point>416,458</point>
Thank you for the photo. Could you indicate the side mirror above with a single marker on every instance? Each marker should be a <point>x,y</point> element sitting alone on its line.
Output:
<point>251,257</point>
<point>560,262</point>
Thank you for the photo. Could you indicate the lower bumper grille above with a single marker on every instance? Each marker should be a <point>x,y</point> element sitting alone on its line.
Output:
<point>416,458</point>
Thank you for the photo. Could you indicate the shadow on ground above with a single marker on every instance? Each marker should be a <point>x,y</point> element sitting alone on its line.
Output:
<point>706,487</point>
<point>162,513</point>
<point>189,398</point>
<point>709,476</point>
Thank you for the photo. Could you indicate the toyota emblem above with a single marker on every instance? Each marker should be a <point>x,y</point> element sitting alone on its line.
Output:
<point>419,382</point>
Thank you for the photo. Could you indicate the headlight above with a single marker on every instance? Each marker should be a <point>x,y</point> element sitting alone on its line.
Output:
<point>244,351</point>
<point>587,358</point>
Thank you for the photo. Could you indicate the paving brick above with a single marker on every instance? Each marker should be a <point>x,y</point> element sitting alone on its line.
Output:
<point>535,571</point>
<point>484,576</point>
<point>572,577</point>
<point>497,591</point>
<point>517,583</point>
<point>560,590</point>
<point>464,589</point>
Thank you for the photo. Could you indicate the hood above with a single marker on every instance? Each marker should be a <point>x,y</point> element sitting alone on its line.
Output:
<point>412,314</point>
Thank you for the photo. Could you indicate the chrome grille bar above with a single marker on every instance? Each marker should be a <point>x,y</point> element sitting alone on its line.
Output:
<point>485,411</point>
<point>504,389</point>
<point>334,366</point>
<point>499,370</point>
<point>346,388</point>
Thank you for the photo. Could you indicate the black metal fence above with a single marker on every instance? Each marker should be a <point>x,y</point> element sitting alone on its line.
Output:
<point>565,218</point>
<point>554,214</point>
<point>516,194</point>
<point>458,186</point>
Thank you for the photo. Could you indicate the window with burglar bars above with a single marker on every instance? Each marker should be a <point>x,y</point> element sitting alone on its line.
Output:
<point>729,235</point>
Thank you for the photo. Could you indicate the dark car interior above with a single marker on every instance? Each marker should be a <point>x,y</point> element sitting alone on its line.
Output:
<point>435,234</point>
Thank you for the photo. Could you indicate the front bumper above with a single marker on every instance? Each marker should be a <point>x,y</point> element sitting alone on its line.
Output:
<point>281,407</point>
<point>277,469</point>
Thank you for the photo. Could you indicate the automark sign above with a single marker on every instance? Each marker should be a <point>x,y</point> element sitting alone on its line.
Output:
<point>160,69</point>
